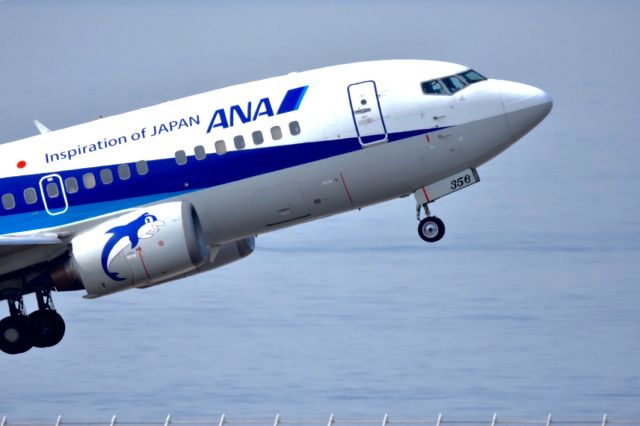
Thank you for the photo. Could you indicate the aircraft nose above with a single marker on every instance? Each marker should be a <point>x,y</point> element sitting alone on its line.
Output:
<point>525,107</point>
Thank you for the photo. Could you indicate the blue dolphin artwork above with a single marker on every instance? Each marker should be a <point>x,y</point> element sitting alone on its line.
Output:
<point>130,234</point>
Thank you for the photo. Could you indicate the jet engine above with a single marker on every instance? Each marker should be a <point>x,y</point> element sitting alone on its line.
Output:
<point>138,249</point>
<point>219,256</point>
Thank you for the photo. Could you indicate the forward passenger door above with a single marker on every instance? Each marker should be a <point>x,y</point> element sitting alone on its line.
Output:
<point>367,113</point>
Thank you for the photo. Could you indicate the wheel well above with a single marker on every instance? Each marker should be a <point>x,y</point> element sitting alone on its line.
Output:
<point>28,280</point>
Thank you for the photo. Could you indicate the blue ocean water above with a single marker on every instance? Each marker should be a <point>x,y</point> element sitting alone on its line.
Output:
<point>528,306</point>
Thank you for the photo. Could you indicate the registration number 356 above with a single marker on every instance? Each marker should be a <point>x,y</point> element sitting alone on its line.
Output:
<point>461,181</point>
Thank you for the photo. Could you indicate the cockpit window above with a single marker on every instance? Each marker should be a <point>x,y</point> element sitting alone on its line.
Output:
<point>472,76</point>
<point>433,87</point>
<point>453,83</point>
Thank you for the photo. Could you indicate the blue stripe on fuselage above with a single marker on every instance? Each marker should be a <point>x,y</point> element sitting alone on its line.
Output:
<point>166,179</point>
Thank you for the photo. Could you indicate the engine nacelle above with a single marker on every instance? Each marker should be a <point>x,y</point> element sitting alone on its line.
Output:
<point>220,256</point>
<point>231,252</point>
<point>140,248</point>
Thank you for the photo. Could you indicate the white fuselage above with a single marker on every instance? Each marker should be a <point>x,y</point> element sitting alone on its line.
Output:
<point>268,154</point>
<point>172,190</point>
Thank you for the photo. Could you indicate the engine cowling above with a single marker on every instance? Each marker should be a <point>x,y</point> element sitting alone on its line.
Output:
<point>231,252</point>
<point>219,256</point>
<point>140,248</point>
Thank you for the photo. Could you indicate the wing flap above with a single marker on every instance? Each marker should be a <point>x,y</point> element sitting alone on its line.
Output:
<point>21,251</point>
<point>29,240</point>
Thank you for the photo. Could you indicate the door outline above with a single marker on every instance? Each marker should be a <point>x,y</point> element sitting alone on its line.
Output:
<point>54,177</point>
<point>379,111</point>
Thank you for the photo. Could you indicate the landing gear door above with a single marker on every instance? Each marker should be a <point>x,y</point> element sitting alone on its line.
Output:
<point>53,195</point>
<point>366,112</point>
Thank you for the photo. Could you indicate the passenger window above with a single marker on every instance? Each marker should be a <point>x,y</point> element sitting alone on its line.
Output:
<point>276,133</point>
<point>200,152</point>
<point>106,176</point>
<point>433,87</point>
<point>238,141</point>
<point>453,83</point>
<point>52,190</point>
<point>221,147</point>
<point>30,196</point>
<point>71,184</point>
<point>89,180</point>
<point>142,168</point>
<point>124,172</point>
<point>8,202</point>
<point>294,128</point>
<point>257,137</point>
<point>181,157</point>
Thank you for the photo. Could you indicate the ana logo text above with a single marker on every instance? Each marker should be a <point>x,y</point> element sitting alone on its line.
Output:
<point>228,117</point>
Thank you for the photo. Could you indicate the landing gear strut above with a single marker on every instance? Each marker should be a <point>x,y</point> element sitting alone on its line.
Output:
<point>43,328</point>
<point>48,323</point>
<point>431,228</point>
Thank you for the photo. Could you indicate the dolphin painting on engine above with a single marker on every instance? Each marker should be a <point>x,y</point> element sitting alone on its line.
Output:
<point>145,226</point>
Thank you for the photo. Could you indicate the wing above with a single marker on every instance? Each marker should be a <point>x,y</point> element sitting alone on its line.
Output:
<point>33,239</point>
<point>21,251</point>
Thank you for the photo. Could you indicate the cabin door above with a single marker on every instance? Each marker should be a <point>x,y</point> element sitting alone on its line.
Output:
<point>366,112</point>
<point>53,195</point>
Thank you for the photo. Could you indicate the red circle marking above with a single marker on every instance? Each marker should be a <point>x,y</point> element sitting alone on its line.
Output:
<point>21,164</point>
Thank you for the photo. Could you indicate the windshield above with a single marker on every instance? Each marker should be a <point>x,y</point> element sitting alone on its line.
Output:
<point>433,87</point>
<point>472,76</point>
<point>451,84</point>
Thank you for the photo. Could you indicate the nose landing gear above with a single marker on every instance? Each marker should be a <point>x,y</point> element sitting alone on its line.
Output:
<point>43,328</point>
<point>431,228</point>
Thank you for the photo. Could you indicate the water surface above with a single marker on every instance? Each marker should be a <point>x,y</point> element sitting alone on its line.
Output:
<point>528,306</point>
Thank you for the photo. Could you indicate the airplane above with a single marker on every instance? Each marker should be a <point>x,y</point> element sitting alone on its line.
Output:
<point>172,190</point>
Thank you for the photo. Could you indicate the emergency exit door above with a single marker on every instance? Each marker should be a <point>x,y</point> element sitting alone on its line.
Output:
<point>366,112</point>
<point>53,195</point>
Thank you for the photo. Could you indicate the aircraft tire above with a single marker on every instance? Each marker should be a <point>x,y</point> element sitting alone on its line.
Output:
<point>16,334</point>
<point>431,229</point>
<point>49,328</point>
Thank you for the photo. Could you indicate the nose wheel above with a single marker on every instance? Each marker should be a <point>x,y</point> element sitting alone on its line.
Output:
<point>431,228</point>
